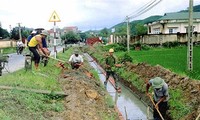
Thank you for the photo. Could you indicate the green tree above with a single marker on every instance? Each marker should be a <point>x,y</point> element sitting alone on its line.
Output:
<point>104,32</point>
<point>15,33</point>
<point>83,36</point>
<point>25,32</point>
<point>3,33</point>
<point>121,30</point>
<point>140,29</point>
<point>71,37</point>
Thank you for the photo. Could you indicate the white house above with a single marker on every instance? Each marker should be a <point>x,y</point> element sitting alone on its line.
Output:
<point>173,23</point>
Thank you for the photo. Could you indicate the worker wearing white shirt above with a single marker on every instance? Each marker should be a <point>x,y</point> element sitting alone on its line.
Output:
<point>76,60</point>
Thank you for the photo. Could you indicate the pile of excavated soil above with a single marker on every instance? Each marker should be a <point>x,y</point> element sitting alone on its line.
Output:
<point>86,97</point>
<point>190,88</point>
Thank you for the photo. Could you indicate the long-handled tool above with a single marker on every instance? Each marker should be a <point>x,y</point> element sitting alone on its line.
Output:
<point>198,117</point>
<point>62,65</point>
<point>57,59</point>
<point>155,107</point>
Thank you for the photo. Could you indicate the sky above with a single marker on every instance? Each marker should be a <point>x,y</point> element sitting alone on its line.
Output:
<point>85,14</point>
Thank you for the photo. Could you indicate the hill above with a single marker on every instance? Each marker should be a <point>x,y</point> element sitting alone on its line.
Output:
<point>195,9</point>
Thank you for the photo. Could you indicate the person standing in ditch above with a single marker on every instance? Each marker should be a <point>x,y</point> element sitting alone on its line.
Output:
<point>76,60</point>
<point>109,67</point>
<point>161,96</point>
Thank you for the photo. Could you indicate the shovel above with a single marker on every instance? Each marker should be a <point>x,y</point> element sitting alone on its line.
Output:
<point>57,59</point>
<point>155,107</point>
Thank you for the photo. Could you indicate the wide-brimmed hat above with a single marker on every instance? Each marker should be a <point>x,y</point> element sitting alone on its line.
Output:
<point>158,82</point>
<point>76,52</point>
<point>33,32</point>
<point>44,32</point>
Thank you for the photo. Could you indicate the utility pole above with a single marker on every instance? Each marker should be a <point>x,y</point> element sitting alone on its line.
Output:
<point>20,34</point>
<point>128,33</point>
<point>190,37</point>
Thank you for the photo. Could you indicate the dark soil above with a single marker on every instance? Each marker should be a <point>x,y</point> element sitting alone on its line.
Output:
<point>191,88</point>
<point>86,98</point>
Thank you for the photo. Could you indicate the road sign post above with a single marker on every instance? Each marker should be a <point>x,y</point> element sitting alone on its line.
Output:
<point>54,18</point>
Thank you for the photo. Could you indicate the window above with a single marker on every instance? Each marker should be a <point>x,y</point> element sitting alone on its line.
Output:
<point>149,29</point>
<point>172,30</point>
<point>156,30</point>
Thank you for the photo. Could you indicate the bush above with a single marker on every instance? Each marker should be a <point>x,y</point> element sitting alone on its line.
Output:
<point>170,44</point>
<point>116,47</point>
<point>141,46</point>
<point>145,47</point>
<point>125,58</point>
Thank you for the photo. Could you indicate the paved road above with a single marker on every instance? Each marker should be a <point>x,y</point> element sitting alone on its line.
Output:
<point>16,62</point>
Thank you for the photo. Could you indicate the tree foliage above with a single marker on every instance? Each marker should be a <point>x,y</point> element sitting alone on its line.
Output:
<point>15,33</point>
<point>83,36</point>
<point>71,37</point>
<point>121,30</point>
<point>3,33</point>
<point>104,32</point>
<point>140,29</point>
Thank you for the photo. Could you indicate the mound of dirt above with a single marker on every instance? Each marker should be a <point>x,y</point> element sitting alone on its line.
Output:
<point>86,97</point>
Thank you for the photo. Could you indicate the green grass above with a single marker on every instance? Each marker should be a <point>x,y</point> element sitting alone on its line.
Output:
<point>174,59</point>
<point>177,105</point>
<point>8,50</point>
<point>18,105</point>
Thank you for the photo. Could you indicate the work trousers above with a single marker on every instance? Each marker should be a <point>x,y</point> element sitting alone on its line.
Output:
<point>75,65</point>
<point>163,107</point>
<point>35,54</point>
<point>112,73</point>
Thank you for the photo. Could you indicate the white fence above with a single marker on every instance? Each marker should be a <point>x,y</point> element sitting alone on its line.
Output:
<point>7,43</point>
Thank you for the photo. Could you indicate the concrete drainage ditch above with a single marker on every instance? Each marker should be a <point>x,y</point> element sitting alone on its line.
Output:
<point>128,104</point>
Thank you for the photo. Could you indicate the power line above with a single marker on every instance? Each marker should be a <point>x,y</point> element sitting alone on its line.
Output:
<point>142,8</point>
<point>150,6</point>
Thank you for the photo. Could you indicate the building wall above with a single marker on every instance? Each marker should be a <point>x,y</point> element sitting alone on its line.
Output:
<point>158,38</point>
<point>7,43</point>
<point>177,25</point>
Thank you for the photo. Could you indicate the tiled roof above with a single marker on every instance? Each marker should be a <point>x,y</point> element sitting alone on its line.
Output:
<point>179,16</point>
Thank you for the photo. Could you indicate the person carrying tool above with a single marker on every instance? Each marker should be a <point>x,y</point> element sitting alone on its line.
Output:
<point>161,97</point>
<point>35,46</point>
<point>110,66</point>
<point>76,60</point>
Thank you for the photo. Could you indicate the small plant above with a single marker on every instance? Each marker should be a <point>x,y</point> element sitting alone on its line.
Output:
<point>145,47</point>
<point>125,58</point>
<point>117,47</point>
<point>171,44</point>
<point>109,101</point>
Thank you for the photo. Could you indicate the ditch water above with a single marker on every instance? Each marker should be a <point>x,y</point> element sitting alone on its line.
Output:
<point>128,104</point>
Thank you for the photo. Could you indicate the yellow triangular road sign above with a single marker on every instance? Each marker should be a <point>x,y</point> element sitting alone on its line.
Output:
<point>54,17</point>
